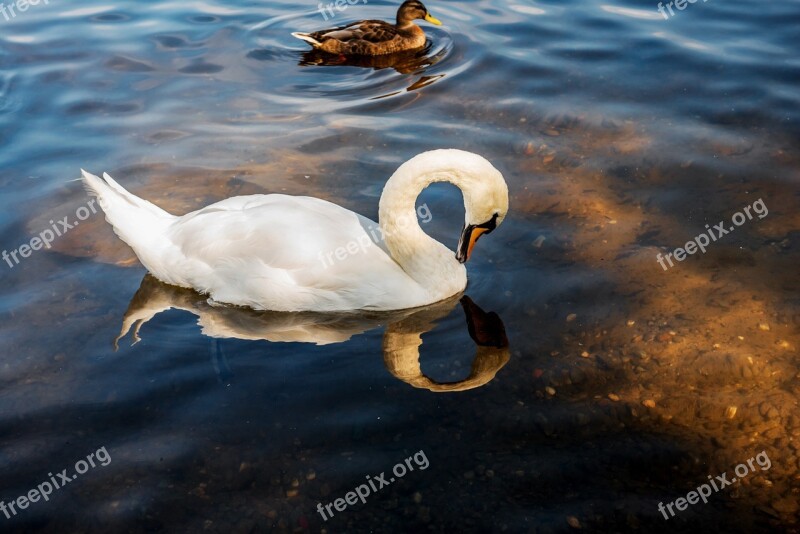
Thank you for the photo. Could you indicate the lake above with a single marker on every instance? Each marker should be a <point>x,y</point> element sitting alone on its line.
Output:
<point>601,366</point>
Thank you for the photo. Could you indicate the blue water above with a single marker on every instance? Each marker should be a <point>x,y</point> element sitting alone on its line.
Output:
<point>621,135</point>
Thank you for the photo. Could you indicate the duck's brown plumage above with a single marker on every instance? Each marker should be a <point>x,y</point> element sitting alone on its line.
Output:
<point>374,37</point>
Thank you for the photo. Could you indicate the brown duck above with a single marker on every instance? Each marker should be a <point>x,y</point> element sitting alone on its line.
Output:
<point>374,37</point>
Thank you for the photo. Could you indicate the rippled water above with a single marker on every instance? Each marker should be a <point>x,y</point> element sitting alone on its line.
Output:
<point>622,385</point>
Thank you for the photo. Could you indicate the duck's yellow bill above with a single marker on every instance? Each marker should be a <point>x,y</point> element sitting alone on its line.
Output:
<point>433,20</point>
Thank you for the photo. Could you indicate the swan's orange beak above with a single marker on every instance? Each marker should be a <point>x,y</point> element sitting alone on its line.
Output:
<point>469,236</point>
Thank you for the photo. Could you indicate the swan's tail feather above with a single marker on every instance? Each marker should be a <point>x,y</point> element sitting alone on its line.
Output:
<point>141,224</point>
<point>138,202</point>
<point>307,38</point>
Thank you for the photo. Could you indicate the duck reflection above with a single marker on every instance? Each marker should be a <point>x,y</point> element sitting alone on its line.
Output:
<point>407,62</point>
<point>401,341</point>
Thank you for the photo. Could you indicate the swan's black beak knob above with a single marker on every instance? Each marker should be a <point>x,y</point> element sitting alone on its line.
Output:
<point>464,248</point>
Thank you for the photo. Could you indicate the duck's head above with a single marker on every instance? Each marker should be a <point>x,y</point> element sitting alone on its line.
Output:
<point>413,10</point>
<point>485,203</point>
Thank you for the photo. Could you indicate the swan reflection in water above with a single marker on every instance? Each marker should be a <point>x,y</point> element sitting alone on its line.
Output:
<point>401,339</point>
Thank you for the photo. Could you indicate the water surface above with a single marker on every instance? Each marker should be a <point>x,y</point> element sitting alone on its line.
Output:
<point>622,385</point>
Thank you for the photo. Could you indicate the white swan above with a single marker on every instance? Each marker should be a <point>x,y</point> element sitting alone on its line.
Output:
<point>272,252</point>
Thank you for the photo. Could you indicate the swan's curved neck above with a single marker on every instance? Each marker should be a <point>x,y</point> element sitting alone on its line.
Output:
<point>428,262</point>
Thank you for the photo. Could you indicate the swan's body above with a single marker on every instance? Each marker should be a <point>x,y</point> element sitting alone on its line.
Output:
<point>284,253</point>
